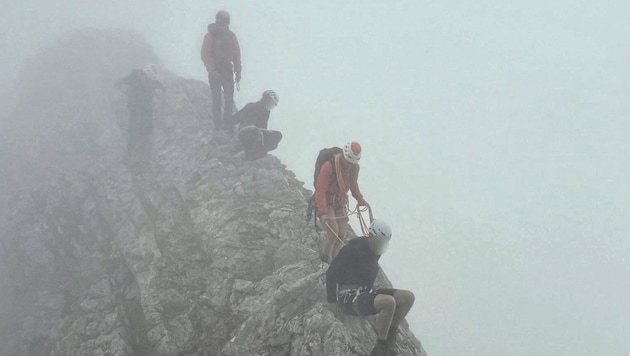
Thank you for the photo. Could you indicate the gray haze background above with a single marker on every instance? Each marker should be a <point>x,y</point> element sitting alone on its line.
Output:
<point>495,135</point>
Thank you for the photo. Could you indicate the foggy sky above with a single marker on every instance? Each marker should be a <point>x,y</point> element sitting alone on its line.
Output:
<point>495,136</point>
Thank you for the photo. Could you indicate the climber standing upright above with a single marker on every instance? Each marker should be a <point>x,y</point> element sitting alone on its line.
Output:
<point>140,86</point>
<point>350,282</point>
<point>335,178</point>
<point>221,55</point>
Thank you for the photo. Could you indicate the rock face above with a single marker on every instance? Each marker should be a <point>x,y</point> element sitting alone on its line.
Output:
<point>200,253</point>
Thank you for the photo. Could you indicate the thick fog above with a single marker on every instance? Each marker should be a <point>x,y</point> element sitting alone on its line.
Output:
<point>495,134</point>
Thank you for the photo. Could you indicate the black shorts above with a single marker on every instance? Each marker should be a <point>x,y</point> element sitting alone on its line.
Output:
<point>364,305</point>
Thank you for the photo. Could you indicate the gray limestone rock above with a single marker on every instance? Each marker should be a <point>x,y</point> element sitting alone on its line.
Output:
<point>198,253</point>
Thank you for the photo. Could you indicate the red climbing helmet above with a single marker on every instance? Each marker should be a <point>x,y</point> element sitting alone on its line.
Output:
<point>352,152</point>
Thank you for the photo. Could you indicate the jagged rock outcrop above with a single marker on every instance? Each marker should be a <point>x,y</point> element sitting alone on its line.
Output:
<point>201,253</point>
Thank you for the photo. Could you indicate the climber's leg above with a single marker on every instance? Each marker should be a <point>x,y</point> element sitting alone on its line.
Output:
<point>404,302</point>
<point>385,305</point>
<point>331,239</point>
<point>342,225</point>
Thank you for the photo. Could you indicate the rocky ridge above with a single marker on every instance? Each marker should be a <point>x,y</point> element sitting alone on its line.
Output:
<point>199,253</point>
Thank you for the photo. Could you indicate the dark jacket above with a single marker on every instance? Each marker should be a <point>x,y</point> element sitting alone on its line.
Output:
<point>355,264</point>
<point>252,114</point>
<point>220,49</point>
<point>140,89</point>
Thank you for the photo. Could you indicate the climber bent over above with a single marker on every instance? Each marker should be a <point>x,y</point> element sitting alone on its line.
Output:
<point>350,282</point>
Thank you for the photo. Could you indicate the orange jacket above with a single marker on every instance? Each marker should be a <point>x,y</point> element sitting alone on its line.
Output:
<point>327,190</point>
<point>207,50</point>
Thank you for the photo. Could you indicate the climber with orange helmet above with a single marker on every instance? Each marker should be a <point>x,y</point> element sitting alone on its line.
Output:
<point>336,177</point>
<point>251,123</point>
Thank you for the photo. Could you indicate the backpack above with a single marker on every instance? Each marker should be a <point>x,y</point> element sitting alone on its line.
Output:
<point>222,47</point>
<point>325,155</point>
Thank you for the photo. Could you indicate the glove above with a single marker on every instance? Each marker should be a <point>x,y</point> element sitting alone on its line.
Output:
<point>238,77</point>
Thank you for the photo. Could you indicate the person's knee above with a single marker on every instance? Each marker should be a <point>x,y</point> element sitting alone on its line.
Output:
<point>384,302</point>
<point>405,297</point>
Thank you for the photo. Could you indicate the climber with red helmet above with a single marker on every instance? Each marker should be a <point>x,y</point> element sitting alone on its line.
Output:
<point>336,177</point>
<point>350,283</point>
<point>221,55</point>
<point>251,124</point>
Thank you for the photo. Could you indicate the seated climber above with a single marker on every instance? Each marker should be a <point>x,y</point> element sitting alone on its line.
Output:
<point>251,122</point>
<point>350,282</point>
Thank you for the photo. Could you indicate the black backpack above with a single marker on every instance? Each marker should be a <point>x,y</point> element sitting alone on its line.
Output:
<point>324,156</point>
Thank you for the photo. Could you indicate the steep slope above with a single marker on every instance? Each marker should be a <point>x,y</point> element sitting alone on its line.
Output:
<point>201,254</point>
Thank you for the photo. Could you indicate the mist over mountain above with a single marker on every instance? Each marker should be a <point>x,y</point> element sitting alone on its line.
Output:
<point>203,253</point>
<point>495,138</point>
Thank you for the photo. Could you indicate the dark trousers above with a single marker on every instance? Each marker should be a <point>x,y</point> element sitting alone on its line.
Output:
<point>222,79</point>
<point>139,139</point>
<point>140,123</point>
<point>257,142</point>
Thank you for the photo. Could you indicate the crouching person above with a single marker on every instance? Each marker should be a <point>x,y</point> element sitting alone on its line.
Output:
<point>252,121</point>
<point>350,282</point>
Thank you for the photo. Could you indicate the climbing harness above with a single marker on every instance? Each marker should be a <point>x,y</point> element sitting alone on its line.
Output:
<point>349,295</point>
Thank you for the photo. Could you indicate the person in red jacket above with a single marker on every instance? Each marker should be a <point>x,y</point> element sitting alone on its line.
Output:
<point>335,179</point>
<point>221,55</point>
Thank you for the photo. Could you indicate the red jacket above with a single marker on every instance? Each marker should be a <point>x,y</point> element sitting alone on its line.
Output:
<point>327,191</point>
<point>232,51</point>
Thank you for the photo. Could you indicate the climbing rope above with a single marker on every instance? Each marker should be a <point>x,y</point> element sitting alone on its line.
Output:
<point>358,212</point>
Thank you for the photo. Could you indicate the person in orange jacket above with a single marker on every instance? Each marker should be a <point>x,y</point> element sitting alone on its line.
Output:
<point>336,177</point>
<point>221,55</point>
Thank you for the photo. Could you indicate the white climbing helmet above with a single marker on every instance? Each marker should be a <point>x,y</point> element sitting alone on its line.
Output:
<point>381,230</point>
<point>270,99</point>
<point>271,95</point>
<point>352,152</point>
<point>150,70</point>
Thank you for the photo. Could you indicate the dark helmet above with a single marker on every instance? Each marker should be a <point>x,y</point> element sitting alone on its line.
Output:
<point>223,17</point>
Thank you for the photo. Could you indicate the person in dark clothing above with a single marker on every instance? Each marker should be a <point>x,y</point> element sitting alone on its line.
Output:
<point>221,55</point>
<point>252,121</point>
<point>350,282</point>
<point>140,87</point>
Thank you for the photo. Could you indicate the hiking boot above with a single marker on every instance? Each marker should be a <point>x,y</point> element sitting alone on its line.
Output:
<point>380,349</point>
<point>391,342</point>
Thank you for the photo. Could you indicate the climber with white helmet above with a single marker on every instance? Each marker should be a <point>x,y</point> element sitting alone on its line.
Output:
<point>334,178</point>
<point>350,283</point>
<point>221,55</point>
<point>251,123</point>
<point>140,86</point>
